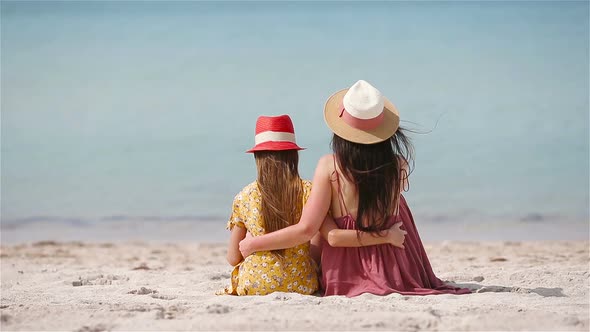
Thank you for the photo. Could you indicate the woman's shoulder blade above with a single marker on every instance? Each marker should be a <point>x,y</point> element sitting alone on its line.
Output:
<point>326,159</point>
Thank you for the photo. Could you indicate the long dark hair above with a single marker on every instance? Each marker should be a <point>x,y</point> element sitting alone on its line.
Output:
<point>376,171</point>
<point>281,189</point>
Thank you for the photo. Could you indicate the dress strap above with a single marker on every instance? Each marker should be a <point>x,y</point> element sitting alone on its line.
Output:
<point>340,194</point>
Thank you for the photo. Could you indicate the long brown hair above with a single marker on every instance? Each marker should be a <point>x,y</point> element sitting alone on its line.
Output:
<point>376,172</point>
<point>281,189</point>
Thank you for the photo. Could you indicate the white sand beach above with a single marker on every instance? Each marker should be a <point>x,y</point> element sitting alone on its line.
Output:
<point>76,286</point>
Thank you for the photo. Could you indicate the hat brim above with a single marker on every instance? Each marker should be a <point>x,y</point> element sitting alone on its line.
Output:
<point>385,130</point>
<point>275,146</point>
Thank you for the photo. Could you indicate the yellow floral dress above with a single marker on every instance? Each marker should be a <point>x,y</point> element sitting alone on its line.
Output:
<point>262,273</point>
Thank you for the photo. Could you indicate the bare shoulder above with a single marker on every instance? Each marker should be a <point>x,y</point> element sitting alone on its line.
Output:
<point>326,164</point>
<point>326,161</point>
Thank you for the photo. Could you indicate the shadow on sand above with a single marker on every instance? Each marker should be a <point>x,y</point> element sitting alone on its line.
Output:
<point>477,288</point>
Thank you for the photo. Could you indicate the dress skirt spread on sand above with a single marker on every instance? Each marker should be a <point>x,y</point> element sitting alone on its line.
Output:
<point>381,269</point>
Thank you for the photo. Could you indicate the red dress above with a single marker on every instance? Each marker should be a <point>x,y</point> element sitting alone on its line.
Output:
<point>381,269</point>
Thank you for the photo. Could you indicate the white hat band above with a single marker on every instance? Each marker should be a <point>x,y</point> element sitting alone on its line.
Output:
<point>274,136</point>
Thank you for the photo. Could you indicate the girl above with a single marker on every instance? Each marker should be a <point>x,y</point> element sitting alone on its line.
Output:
<point>361,184</point>
<point>274,201</point>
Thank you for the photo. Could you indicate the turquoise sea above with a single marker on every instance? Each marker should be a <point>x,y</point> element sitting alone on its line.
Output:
<point>132,112</point>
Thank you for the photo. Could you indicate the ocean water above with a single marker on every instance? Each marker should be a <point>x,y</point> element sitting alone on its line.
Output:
<point>141,111</point>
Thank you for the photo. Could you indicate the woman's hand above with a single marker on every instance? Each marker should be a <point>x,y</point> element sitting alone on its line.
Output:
<point>246,245</point>
<point>395,235</point>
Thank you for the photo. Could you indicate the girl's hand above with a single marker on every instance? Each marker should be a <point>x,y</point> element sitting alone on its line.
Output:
<point>246,246</point>
<point>395,235</point>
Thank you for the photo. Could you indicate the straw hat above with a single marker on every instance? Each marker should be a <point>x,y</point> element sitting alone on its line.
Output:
<point>361,114</point>
<point>274,133</point>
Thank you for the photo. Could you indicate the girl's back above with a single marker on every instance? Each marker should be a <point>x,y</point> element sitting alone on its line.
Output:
<point>264,272</point>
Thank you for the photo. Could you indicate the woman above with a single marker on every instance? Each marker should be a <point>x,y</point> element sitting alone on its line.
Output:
<point>274,201</point>
<point>360,184</point>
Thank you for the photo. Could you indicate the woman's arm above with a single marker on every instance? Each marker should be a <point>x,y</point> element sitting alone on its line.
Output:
<point>312,216</point>
<point>233,251</point>
<point>348,238</point>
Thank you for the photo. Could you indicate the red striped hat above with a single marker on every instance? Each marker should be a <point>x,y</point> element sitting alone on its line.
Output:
<point>274,133</point>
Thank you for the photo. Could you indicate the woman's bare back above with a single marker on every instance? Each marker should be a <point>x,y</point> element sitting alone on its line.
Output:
<point>345,198</point>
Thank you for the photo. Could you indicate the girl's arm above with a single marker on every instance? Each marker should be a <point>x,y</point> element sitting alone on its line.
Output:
<point>337,237</point>
<point>312,216</point>
<point>233,251</point>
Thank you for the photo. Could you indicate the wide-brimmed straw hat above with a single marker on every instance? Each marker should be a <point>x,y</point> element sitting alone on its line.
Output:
<point>274,133</point>
<point>361,114</point>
